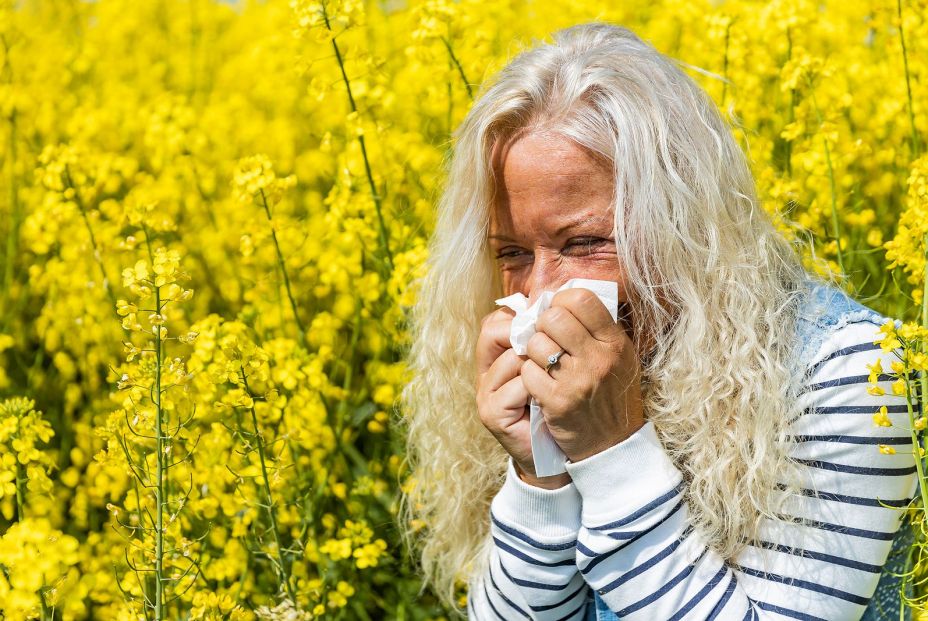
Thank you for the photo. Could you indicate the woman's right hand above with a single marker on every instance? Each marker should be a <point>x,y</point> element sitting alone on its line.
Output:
<point>502,400</point>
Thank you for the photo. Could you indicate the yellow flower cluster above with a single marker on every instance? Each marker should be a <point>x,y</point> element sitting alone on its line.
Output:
<point>254,180</point>
<point>40,571</point>
<point>207,606</point>
<point>23,465</point>
<point>907,342</point>
<point>910,245</point>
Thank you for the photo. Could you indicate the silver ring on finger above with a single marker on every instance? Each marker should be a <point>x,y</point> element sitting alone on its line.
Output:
<point>552,360</point>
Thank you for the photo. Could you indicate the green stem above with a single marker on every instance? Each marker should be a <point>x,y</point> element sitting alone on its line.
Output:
<point>917,455</point>
<point>241,579</point>
<point>20,495</point>
<point>283,268</point>
<point>924,374</point>
<point>792,106</point>
<point>48,614</point>
<point>349,373</point>
<point>358,608</point>
<point>450,113</point>
<point>382,230</point>
<point>835,223</point>
<point>140,515</point>
<point>916,446</point>
<point>916,147</point>
<point>93,240</point>
<point>460,68</point>
<point>272,516</point>
<point>725,65</point>
<point>12,233</point>
<point>159,488</point>
<point>12,237</point>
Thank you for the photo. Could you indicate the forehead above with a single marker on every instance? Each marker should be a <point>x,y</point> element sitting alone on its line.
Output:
<point>544,152</point>
<point>544,173</point>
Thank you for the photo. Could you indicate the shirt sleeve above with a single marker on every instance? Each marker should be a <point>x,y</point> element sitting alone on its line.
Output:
<point>532,572</point>
<point>637,548</point>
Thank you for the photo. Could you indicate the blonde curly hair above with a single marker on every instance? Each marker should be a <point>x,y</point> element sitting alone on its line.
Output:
<point>709,272</point>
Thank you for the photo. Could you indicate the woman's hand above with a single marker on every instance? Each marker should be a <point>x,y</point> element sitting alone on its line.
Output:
<point>502,399</point>
<point>591,399</point>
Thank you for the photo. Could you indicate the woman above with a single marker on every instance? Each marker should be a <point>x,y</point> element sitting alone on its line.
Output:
<point>721,458</point>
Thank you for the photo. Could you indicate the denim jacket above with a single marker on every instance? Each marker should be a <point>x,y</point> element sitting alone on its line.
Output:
<point>825,309</point>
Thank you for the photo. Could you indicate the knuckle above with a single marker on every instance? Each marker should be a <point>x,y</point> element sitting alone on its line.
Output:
<point>491,317</point>
<point>553,314</point>
<point>503,362</point>
<point>483,412</point>
<point>535,342</point>
<point>527,367</point>
<point>582,295</point>
<point>563,297</point>
<point>480,349</point>
<point>570,297</point>
<point>484,330</point>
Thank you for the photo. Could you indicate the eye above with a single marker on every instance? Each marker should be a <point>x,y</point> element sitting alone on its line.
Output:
<point>510,253</point>
<point>587,245</point>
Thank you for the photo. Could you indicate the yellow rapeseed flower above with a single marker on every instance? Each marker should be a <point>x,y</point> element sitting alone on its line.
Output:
<point>881,418</point>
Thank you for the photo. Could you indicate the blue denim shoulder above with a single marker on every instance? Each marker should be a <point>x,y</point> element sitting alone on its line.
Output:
<point>823,310</point>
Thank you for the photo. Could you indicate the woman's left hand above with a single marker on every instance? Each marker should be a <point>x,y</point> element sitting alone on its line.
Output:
<point>591,398</point>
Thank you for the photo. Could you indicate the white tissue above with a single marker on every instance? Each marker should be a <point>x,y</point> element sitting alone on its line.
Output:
<point>548,457</point>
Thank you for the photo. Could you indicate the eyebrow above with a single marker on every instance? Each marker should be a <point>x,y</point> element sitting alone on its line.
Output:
<point>561,229</point>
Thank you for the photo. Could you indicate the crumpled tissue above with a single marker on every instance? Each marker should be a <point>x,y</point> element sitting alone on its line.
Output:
<point>547,455</point>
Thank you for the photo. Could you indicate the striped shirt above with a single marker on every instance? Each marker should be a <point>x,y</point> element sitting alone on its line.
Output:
<point>621,529</point>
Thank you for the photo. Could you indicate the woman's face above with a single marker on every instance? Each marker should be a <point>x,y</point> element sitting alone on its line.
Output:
<point>553,219</point>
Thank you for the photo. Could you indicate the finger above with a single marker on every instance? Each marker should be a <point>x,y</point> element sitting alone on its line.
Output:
<point>513,396</point>
<point>540,346</point>
<point>538,383</point>
<point>503,369</point>
<point>560,325</point>
<point>494,338</point>
<point>589,311</point>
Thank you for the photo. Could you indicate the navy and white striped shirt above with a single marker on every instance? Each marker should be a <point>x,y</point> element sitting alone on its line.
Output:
<point>620,528</point>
